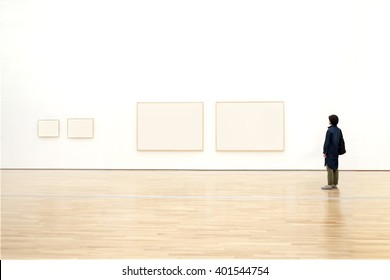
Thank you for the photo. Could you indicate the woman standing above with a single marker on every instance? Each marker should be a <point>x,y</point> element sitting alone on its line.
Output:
<point>331,153</point>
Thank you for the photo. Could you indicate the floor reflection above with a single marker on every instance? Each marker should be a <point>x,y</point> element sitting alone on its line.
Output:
<point>334,226</point>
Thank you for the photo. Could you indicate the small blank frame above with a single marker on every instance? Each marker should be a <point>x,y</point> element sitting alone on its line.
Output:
<point>170,126</point>
<point>48,128</point>
<point>80,128</point>
<point>250,126</point>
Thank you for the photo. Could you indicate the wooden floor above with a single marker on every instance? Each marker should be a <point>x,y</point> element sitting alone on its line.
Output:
<point>70,214</point>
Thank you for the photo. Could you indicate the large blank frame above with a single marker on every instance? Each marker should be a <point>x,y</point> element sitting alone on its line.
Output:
<point>49,128</point>
<point>80,128</point>
<point>170,126</point>
<point>250,126</point>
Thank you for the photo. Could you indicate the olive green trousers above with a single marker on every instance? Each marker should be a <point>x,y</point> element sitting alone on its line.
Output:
<point>333,176</point>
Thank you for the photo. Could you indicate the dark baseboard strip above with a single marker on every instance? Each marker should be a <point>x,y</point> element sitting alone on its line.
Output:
<point>203,170</point>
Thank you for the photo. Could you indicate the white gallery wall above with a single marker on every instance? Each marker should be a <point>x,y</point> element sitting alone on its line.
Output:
<point>97,59</point>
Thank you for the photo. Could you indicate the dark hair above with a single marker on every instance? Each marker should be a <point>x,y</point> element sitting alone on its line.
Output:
<point>334,120</point>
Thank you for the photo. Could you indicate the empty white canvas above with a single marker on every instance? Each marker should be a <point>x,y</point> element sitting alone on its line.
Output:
<point>250,126</point>
<point>80,128</point>
<point>48,128</point>
<point>170,126</point>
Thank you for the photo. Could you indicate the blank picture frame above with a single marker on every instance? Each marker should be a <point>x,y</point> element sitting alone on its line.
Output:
<point>170,126</point>
<point>81,128</point>
<point>48,128</point>
<point>250,126</point>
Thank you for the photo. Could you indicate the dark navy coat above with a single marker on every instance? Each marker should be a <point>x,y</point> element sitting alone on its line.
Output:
<point>331,147</point>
